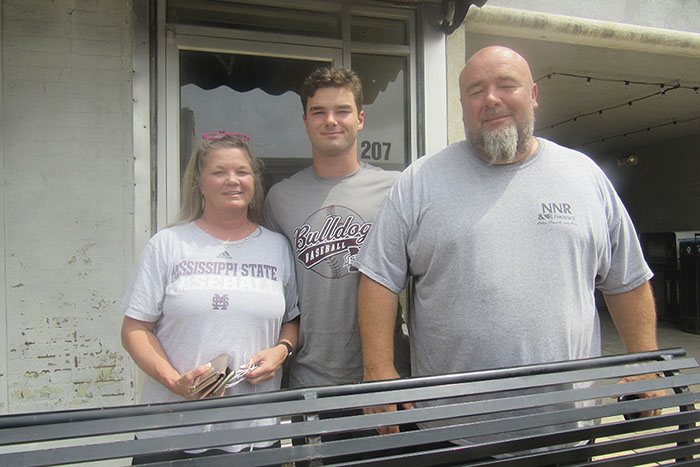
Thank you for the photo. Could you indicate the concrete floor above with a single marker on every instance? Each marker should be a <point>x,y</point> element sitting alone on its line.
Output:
<point>668,336</point>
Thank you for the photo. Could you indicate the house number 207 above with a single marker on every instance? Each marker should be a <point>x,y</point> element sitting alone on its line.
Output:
<point>375,150</point>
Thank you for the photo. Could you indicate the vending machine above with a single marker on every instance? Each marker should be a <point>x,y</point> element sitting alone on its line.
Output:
<point>671,281</point>
<point>689,252</point>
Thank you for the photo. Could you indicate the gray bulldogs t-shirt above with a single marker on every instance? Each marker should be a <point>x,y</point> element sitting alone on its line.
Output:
<point>327,220</point>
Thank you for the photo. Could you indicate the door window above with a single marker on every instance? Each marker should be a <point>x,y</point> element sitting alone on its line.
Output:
<point>383,141</point>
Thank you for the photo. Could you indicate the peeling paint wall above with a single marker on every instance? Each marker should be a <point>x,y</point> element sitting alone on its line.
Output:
<point>3,282</point>
<point>68,194</point>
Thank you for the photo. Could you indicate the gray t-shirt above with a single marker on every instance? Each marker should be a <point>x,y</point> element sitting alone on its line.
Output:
<point>505,259</point>
<point>326,220</point>
<point>210,297</point>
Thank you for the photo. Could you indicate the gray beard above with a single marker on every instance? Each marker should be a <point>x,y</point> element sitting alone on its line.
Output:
<point>503,146</point>
<point>500,147</point>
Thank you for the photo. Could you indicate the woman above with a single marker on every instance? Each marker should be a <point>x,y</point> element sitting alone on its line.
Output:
<point>217,282</point>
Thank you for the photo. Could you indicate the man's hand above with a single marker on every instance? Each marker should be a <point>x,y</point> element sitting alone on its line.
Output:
<point>385,430</point>
<point>648,394</point>
<point>388,374</point>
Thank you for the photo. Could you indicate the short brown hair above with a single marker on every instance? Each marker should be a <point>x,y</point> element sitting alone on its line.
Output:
<point>329,77</point>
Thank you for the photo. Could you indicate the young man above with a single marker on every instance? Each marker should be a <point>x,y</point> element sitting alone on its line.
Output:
<point>326,211</point>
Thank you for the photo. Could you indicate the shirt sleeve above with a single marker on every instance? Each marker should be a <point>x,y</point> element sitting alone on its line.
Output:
<point>627,268</point>
<point>383,256</point>
<point>291,298</point>
<point>144,297</point>
<point>269,218</point>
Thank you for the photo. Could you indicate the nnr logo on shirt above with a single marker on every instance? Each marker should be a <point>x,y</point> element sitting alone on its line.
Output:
<point>556,213</point>
<point>329,240</point>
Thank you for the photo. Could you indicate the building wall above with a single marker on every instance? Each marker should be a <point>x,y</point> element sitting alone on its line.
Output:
<point>679,15</point>
<point>67,201</point>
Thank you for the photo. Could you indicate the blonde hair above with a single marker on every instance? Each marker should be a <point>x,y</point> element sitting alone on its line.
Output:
<point>192,200</point>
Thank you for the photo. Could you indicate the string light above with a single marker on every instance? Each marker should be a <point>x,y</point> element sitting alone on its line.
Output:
<point>629,133</point>
<point>627,82</point>
<point>663,88</point>
<point>629,104</point>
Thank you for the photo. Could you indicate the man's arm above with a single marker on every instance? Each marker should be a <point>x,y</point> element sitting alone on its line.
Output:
<point>376,315</point>
<point>634,315</point>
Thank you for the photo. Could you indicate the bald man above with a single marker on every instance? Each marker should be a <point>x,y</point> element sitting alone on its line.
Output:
<point>507,238</point>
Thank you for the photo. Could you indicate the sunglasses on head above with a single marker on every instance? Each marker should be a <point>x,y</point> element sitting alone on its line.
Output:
<point>221,134</point>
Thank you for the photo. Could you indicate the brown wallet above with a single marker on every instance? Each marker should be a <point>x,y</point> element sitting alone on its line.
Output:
<point>213,380</point>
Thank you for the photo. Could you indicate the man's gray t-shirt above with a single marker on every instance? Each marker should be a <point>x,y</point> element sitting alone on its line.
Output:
<point>505,259</point>
<point>326,220</point>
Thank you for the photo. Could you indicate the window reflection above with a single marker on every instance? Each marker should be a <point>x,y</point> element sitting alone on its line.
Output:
<point>259,96</point>
<point>255,95</point>
<point>380,30</point>
<point>383,141</point>
<point>255,18</point>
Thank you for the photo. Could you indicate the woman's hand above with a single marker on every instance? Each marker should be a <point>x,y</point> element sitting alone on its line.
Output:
<point>184,385</point>
<point>268,361</point>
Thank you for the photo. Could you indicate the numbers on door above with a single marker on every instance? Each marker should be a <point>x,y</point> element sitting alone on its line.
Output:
<point>375,150</point>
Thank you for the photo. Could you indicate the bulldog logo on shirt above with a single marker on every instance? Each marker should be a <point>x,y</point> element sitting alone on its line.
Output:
<point>328,241</point>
